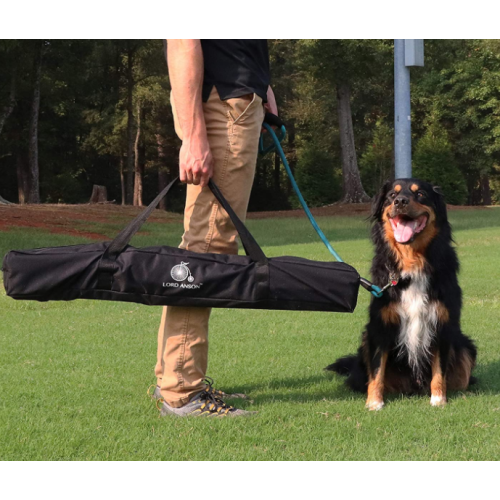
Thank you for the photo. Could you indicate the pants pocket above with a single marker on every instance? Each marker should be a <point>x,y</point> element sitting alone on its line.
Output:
<point>239,107</point>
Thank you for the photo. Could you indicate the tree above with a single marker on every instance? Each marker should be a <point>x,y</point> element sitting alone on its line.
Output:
<point>34,171</point>
<point>315,178</point>
<point>105,115</point>
<point>435,162</point>
<point>7,111</point>
<point>9,107</point>
<point>102,117</point>
<point>352,189</point>
<point>138,165</point>
<point>151,94</point>
<point>130,52</point>
<point>340,65</point>
<point>461,90</point>
<point>377,162</point>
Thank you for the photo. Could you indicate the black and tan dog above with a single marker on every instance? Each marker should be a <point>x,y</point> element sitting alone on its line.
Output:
<point>413,341</point>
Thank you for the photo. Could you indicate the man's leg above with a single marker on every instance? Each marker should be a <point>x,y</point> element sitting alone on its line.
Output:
<point>233,129</point>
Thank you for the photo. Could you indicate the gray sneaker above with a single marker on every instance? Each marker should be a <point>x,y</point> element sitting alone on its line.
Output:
<point>204,404</point>
<point>210,382</point>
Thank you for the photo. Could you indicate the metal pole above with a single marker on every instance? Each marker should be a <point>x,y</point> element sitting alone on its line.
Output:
<point>402,112</point>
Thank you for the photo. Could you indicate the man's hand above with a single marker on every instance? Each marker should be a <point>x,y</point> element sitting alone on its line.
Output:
<point>195,161</point>
<point>270,106</point>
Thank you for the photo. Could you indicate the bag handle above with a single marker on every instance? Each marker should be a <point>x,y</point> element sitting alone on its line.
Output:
<point>107,264</point>
<point>251,247</point>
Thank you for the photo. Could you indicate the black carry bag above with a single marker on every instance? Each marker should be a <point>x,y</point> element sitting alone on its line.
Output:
<point>164,275</point>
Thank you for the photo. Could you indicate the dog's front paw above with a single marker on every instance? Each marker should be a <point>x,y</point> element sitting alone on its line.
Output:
<point>374,405</point>
<point>438,400</point>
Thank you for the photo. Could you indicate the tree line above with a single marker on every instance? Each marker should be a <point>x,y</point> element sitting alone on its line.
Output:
<point>75,113</point>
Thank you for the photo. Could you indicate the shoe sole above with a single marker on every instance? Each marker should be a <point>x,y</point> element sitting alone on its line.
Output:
<point>166,412</point>
<point>157,395</point>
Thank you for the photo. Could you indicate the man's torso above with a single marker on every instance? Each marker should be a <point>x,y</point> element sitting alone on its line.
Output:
<point>235,68</point>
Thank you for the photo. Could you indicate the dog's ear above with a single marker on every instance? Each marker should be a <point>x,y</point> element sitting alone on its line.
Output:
<point>379,200</point>
<point>440,203</point>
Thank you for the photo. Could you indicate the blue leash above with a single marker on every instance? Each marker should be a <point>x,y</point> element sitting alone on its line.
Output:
<point>374,289</point>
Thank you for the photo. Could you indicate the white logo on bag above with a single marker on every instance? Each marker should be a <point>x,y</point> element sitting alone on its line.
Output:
<point>181,272</point>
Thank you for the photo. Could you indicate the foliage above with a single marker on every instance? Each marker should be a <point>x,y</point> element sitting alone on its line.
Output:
<point>461,89</point>
<point>315,178</point>
<point>83,113</point>
<point>83,119</point>
<point>433,161</point>
<point>376,165</point>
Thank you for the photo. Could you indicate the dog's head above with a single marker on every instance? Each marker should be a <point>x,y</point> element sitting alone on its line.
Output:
<point>410,210</point>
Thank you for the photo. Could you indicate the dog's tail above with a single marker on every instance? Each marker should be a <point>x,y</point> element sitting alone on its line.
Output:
<point>343,366</point>
<point>353,367</point>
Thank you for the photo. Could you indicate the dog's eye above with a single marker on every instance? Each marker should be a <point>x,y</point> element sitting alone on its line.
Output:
<point>420,194</point>
<point>392,195</point>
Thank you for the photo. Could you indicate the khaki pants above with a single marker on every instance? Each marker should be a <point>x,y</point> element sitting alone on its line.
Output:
<point>233,128</point>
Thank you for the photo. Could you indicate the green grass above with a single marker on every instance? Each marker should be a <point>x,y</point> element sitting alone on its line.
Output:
<point>73,376</point>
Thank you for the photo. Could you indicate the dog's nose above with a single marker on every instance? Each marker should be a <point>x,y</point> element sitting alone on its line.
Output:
<point>401,201</point>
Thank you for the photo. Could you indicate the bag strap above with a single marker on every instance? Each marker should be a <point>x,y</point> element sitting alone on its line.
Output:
<point>252,248</point>
<point>107,264</point>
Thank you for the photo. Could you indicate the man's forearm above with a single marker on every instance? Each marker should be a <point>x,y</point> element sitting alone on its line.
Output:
<point>185,66</point>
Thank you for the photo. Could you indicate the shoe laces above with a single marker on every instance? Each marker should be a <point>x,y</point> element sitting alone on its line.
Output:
<point>210,382</point>
<point>212,403</point>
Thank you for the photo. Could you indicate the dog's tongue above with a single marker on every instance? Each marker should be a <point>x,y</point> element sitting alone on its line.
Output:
<point>404,230</point>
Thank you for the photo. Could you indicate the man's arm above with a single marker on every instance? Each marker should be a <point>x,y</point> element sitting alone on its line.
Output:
<point>185,67</point>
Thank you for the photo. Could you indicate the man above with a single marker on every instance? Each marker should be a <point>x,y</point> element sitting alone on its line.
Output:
<point>218,91</point>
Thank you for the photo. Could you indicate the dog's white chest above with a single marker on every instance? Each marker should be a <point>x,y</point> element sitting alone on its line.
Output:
<point>418,322</point>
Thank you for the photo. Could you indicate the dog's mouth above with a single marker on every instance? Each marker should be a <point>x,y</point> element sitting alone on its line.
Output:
<point>406,228</point>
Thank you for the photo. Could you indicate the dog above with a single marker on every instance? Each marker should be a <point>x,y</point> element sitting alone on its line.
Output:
<point>413,342</point>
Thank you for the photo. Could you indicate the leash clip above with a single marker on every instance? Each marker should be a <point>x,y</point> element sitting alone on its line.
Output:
<point>393,281</point>
<point>377,291</point>
<point>373,289</point>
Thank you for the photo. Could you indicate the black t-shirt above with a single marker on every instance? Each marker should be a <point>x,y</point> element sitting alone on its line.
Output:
<point>236,68</point>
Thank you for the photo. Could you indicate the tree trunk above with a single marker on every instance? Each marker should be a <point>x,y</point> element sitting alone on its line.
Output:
<point>472,190</point>
<point>142,160</point>
<point>486,191</point>
<point>353,191</point>
<point>122,180</point>
<point>7,110</point>
<point>22,168</point>
<point>99,194</point>
<point>138,166</point>
<point>292,157</point>
<point>130,126</point>
<point>34,174</point>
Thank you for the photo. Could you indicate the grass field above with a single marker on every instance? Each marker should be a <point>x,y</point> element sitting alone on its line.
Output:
<point>73,376</point>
